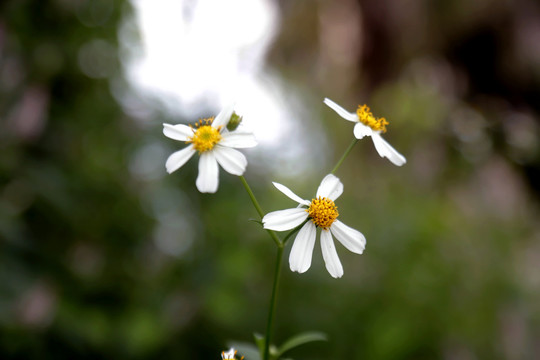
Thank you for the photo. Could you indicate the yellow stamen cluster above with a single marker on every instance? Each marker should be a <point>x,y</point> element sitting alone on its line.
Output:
<point>205,136</point>
<point>323,212</point>
<point>366,117</point>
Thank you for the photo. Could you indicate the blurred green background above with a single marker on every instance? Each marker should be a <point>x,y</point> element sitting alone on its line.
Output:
<point>103,255</point>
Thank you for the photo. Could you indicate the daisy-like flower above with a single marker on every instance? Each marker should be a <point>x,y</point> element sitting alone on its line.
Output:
<point>322,213</point>
<point>229,355</point>
<point>368,125</point>
<point>215,145</point>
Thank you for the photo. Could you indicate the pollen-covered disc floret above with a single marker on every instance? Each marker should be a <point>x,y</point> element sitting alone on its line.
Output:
<point>323,212</point>
<point>366,117</point>
<point>206,136</point>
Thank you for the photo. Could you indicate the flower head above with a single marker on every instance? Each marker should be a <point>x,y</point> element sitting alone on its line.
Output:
<point>322,213</point>
<point>229,355</point>
<point>214,144</point>
<point>368,125</point>
<point>205,136</point>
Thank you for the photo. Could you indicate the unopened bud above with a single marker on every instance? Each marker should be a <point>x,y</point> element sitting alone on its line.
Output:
<point>234,122</point>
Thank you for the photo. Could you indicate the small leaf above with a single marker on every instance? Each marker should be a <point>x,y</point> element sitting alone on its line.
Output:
<point>248,350</point>
<point>259,340</point>
<point>256,221</point>
<point>301,339</point>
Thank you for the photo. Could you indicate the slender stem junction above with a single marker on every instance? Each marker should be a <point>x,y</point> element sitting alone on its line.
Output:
<point>259,210</point>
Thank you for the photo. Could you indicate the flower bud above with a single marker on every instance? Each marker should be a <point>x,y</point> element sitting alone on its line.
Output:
<point>234,122</point>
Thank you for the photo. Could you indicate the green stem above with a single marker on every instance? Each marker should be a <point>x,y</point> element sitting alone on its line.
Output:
<point>344,156</point>
<point>272,309</point>
<point>259,210</point>
<point>252,196</point>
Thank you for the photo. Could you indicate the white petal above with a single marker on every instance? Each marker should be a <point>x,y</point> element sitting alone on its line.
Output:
<point>177,132</point>
<point>283,220</point>
<point>386,150</point>
<point>352,239</point>
<point>179,158</point>
<point>237,139</point>
<point>232,161</point>
<point>302,249</point>
<point>222,119</point>
<point>330,256</point>
<point>361,130</point>
<point>341,111</point>
<point>208,179</point>
<point>288,192</point>
<point>330,187</point>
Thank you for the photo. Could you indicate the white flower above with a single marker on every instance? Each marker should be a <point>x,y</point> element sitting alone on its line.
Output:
<point>367,125</point>
<point>215,146</point>
<point>229,355</point>
<point>322,213</point>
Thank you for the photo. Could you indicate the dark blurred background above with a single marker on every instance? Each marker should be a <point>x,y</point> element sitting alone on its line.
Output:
<point>103,255</point>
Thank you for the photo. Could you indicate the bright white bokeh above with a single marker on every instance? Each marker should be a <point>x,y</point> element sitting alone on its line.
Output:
<point>197,56</point>
<point>197,49</point>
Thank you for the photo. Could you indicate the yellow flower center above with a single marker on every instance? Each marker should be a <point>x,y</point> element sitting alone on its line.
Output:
<point>366,117</point>
<point>206,136</point>
<point>323,212</point>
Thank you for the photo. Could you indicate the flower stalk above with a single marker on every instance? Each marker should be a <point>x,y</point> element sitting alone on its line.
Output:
<point>272,309</point>
<point>277,269</point>
<point>345,154</point>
